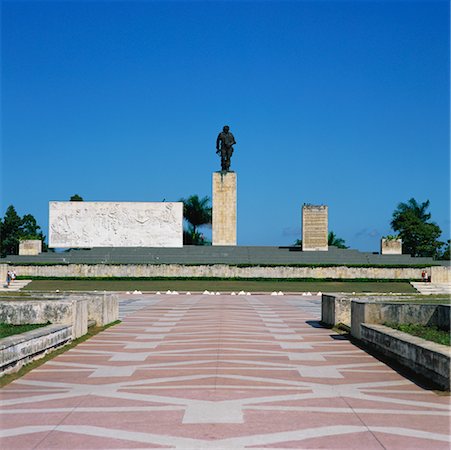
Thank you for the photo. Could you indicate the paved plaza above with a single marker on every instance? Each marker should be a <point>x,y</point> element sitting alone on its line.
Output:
<point>220,372</point>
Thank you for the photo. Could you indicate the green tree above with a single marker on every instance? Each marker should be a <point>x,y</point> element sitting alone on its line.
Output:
<point>76,198</point>
<point>335,241</point>
<point>11,232</point>
<point>31,230</point>
<point>196,212</point>
<point>419,236</point>
<point>13,228</point>
<point>446,253</point>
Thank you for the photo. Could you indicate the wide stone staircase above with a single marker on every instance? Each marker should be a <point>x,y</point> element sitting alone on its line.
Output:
<point>14,286</point>
<point>431,288</point>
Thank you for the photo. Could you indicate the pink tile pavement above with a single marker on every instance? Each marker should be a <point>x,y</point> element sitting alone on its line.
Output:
<point>222,372</point>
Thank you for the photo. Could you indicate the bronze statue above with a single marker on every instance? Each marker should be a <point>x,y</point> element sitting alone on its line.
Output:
<point>224,147</point>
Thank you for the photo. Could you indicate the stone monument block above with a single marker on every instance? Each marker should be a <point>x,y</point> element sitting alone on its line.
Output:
<point>3,272</point>
<point>391,246</point>
<point>115,224</point>
<point>30,247</point>
<point>314,228</point>
<point>224,208</point>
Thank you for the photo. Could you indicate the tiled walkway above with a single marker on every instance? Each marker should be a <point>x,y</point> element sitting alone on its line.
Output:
<point>220,372</point>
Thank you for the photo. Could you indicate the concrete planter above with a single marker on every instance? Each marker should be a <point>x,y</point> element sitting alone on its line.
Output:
<point>424,357</point>
<point>18,350</point>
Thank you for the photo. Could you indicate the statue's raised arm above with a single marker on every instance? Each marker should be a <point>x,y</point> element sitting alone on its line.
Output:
<point>224,143</point>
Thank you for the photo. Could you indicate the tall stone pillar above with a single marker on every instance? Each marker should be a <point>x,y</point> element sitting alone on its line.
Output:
<point>224,208</point>
<point>314,228</point>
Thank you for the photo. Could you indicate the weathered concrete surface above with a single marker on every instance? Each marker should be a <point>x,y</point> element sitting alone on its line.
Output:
<point>391,246</point>
<point>102,308</point>
<point>314,228</point>
<point>17,350</point>
<point>224,208</point>
<point>336,309</point>
<point>424,357</point>
<point>30,247</point>
<point>69,311</point>
<point>115,224</point>
<point>377,313</point>
<point>216,270</point>
<point>3,272</point>
<point>440,274</point>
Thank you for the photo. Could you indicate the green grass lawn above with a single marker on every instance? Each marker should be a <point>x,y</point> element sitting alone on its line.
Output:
<point>429,333</point>
<point>6,329</point>
<point>221,286</point>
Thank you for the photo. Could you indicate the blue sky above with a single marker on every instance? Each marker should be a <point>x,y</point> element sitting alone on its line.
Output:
<point>344,103</point>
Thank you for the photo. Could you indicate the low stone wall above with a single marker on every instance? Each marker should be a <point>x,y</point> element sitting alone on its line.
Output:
<point>426,358</point>
<point>367,312</point>
<point>3,272</point>
<point>216,271</point>
<point>67,311</point>
<point>17,350</point>
<point>440,274</point>
<point>102,308</point>
<point>75,310</point>
<point>336,309</point>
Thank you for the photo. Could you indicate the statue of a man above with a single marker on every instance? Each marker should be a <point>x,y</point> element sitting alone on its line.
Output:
<point>224,147</point>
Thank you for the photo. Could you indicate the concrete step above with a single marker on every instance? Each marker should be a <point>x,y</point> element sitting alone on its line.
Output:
<point>432,288</point>
<point>14,286</point>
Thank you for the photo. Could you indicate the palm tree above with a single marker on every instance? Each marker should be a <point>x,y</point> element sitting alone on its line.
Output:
<point>419,236</point>
<point>196,212</point>
<point>335,241</point>
<point>332,239</point>
<point>412,207</point>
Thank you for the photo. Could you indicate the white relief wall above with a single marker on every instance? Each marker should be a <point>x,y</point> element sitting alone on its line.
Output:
<point>115,224</point>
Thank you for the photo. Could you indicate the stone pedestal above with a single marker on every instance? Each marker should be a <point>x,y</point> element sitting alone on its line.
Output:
<point>391,246</point>
<point>224,208</point>
<point>314,228</point>
<point>30,247</point>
